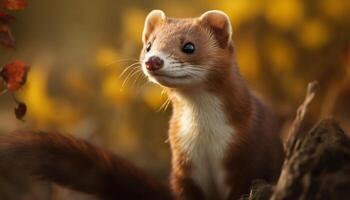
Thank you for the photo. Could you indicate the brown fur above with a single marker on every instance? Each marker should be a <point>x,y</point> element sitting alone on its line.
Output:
<point>78,165</point>
<point>256,151</point>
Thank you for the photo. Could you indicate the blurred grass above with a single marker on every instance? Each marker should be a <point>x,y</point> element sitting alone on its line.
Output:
<point>78,49</point>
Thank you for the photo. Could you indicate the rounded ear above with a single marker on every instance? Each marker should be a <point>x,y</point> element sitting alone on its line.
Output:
<point>219,23</point>
<point>153,20</point>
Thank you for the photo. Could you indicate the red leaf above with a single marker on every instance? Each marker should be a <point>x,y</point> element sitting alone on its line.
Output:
<point>20,110</point>
<point>15,74</point>
<point>15,4</point>
<point>6,18</point>
<point>6,38</point>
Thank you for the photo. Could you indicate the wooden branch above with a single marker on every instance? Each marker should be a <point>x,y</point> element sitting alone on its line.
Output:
<point>294,133</point>
<point>317,164</point>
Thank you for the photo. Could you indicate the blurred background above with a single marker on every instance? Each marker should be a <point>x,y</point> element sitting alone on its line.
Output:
<point>78,49</point>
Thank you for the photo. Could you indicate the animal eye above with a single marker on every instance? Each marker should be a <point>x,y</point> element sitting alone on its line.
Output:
<point>188,48</point>
<point>148,46</point>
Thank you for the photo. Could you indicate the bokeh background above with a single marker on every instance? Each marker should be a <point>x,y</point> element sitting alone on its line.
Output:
<point>78,49</point>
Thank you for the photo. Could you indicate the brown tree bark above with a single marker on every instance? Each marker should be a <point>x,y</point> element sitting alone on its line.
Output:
<point>317,163</point>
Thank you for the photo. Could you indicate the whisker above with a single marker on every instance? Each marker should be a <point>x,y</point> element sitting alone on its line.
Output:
<point>170,55</point>
<point>177,62</point>
<point>194,75</point>
<point>202,66</point>
<point>163,92</point>
<point>137,79</point>
<point>207,68</point>
<point>143,85</point>
<point>165,105</point>
<point>120,60</point>
<point>131,74</point>
<point>176,68</point>
<point>127,68</point>
<point>143,79</point>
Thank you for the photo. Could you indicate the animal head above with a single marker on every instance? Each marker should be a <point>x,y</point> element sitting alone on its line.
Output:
<point>186,52</point>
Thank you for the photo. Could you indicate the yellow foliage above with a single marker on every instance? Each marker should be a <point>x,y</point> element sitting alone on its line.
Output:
<point>268,34</point>
<point>248,59</point>
<point>240,11</point>
<point>153,96</point>
<point>174,9</point>
<point>337,9</point>
<point>76,81</point>
<point>294,86</point>
<point>65,114</point>
<point>112,90</point>
<point>40,107</point>
<point>284,14</point>
<point>126,136</point>
<point>314,34</point>
<point>106,58</point>
<point>280,53</point>
<point>133,24</point>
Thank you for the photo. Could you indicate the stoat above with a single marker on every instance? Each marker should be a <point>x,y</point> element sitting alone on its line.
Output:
<point>222,137</point>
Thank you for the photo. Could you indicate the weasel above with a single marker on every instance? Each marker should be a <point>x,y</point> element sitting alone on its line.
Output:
<point>222,137</point>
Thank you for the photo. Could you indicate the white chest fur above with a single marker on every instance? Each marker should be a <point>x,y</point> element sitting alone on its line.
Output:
<point>204,136</point>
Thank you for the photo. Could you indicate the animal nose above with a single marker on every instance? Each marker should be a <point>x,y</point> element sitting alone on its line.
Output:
<point>154,63</point>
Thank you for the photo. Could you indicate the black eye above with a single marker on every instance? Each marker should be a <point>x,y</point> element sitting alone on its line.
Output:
<point>148,46</point>
<point>188,48</point>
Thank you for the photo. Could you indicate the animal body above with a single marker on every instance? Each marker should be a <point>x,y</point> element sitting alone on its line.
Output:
<point>221,136</point>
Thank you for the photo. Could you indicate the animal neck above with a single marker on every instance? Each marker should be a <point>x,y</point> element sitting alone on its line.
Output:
<point>228,92</point>
<point>202,128</point>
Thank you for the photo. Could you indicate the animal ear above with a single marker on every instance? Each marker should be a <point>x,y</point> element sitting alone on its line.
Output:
<point>153,20</point>
<point>219,23</point>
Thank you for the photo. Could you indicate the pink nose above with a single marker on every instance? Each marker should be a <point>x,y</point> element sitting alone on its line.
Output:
<point>154,63</point>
